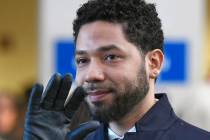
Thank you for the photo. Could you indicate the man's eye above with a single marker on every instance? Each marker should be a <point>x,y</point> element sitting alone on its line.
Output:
<point>112,57</point>
<point>81,61</point>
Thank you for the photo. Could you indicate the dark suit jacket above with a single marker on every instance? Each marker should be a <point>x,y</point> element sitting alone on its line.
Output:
<point>159,123</point>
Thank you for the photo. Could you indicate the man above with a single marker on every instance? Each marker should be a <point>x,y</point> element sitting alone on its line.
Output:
<point>119,55</point>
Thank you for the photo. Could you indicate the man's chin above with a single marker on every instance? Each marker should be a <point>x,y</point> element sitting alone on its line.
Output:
<point>98,110</point>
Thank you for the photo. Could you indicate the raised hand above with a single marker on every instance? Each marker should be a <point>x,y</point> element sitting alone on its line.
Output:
<point>47,118</point>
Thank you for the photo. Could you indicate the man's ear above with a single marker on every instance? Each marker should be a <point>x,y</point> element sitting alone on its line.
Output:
<point>154,61</point>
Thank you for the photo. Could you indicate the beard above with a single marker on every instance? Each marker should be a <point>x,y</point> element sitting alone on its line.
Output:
<point>124,100</point>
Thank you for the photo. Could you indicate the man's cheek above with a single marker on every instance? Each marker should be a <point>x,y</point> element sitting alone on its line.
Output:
<point>79,81</point>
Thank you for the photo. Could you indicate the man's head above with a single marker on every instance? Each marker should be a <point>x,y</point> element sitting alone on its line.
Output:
<point>118,54</point>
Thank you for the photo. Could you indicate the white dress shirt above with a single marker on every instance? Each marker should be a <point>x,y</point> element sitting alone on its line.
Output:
<point>112,135</point>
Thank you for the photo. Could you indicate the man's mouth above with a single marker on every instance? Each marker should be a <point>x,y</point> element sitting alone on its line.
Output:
<point>97,95</point>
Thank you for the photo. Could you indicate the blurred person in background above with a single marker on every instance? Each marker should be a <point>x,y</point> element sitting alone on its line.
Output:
<point>9,117</point>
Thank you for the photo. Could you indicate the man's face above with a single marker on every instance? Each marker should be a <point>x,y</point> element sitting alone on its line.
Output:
<point>111,70</point>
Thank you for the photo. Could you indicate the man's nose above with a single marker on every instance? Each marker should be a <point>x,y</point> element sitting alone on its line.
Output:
<point>95,72</point>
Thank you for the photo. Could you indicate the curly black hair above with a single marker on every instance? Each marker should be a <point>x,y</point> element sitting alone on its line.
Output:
<point>139,20</point>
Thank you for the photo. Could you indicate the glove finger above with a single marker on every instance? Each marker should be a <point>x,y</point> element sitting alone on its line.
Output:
<point>74,102</point>
<point>35,97</point>
<point>51,91</point>
<point>63,92</point>
<point>82,131</point>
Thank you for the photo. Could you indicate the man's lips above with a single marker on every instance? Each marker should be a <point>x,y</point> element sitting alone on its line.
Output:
<point>97,95</point>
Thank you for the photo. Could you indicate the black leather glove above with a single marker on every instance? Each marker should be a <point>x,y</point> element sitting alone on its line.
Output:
<point>47,118</point>
<point>82,131</point>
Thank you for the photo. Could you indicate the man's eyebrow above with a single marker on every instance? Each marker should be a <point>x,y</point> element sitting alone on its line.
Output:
<point>100,49</point>
<point>81,52</point>
<point>108,48</point>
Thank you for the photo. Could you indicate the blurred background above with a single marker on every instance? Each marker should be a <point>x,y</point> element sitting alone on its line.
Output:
<point>36,41</point>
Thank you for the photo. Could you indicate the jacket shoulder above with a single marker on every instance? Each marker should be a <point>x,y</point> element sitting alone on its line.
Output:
<point>183,130</point>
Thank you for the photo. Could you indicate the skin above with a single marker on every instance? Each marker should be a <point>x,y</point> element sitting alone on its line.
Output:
<point>105,57</point>
<point>8,115</point>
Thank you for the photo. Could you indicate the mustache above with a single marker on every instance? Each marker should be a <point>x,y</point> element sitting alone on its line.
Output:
<point>98,86</point>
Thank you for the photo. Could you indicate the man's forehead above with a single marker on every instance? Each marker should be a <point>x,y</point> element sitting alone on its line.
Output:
<point>101,36</point>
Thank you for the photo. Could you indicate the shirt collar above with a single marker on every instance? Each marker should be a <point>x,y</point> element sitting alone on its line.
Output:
<point>112,135</point>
